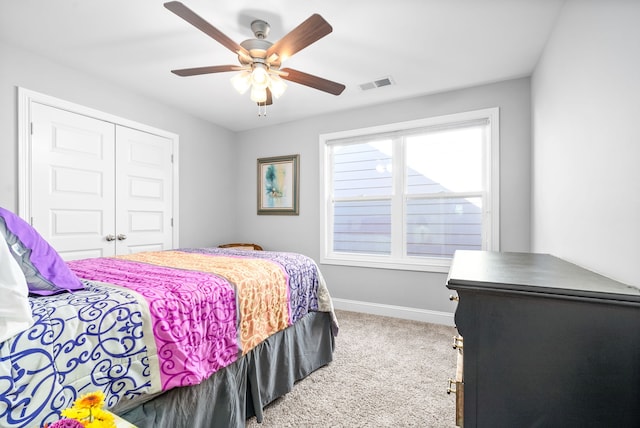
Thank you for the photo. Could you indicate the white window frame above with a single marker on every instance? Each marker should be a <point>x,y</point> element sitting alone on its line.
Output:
<point>491,205</point>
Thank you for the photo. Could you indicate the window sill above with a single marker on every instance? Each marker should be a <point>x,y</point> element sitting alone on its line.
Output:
<point>420,265</point>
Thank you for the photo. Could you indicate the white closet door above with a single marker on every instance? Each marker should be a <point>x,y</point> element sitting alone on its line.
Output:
<point>144,184</point>
<point>72,183</point>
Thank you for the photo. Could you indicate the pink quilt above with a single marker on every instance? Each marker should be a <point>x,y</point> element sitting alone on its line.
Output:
<point>193,315</point>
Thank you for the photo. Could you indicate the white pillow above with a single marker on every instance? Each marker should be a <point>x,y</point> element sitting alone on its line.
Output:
<point>15,311</point>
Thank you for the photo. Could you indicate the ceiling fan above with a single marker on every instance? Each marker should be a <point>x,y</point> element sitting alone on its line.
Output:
<point>260,60</point>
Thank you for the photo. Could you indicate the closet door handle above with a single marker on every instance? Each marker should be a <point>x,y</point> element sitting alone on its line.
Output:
<point>122,237</point>
<point>110,238</point>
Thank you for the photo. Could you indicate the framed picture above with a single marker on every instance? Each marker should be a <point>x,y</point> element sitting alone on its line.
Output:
<point>279,185</point>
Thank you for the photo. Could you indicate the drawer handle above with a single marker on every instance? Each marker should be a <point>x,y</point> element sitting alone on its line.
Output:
<point>458,342</point>
<point>454,298</point>
<point>452,386</point>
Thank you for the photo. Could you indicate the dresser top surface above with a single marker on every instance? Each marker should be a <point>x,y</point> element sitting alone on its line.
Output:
<point>528,272</point>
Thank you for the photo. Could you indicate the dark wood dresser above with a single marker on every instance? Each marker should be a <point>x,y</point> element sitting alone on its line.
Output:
<point>544,343</point>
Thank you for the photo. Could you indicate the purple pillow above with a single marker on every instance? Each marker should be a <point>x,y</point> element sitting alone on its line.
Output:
<point>45,271</point>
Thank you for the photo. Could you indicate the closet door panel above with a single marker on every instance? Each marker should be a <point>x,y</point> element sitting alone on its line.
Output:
<point>72,183</point>
<point>144,191</point>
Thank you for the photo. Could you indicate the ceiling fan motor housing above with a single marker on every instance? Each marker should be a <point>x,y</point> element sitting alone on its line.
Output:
<point>260,28</point>
<point>258,51</point>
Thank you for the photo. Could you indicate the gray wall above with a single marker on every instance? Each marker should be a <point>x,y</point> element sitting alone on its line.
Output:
<point>215,162</point>
<point>206,153</point>
<point>418,290</point>
<point>586,144</point>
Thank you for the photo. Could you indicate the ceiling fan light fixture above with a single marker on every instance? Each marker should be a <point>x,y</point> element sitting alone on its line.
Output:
<point>241,82</point>
<point>276,85</point>
<point>259,76</point>
<point>258,94</point>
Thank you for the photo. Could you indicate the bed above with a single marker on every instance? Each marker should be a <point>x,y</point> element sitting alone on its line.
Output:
<point>192,337</point>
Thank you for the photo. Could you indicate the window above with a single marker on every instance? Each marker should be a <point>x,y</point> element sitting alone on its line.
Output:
<point>408,195</point>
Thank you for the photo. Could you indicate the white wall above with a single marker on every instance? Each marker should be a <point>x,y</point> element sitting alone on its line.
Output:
<point>206,151</point>
<point>424,291</point>
<point>586,140</point>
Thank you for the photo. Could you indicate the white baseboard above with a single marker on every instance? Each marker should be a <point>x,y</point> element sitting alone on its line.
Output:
<point>402,312</point>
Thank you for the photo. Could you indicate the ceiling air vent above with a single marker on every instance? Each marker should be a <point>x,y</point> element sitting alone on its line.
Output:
<point>385,81</point>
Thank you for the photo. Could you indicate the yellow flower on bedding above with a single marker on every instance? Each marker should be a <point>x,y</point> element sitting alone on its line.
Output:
<point>92,400</point>
<point>86,412</point>
<point>74,413</point>
<point>101,419</point>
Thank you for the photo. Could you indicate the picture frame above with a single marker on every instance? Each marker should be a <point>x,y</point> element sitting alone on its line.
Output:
<point>279,185</point>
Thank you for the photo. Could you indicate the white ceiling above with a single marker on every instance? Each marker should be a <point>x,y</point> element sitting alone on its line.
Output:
<point>425,46</point>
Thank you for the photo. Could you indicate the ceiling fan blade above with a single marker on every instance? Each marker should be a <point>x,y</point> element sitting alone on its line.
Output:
<point>205,70</point>
<point>197,21</point>
<point>312,81</point>
<point>310,31</point>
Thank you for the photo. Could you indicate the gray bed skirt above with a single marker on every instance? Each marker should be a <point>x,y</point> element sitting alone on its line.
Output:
<point>231,396</point>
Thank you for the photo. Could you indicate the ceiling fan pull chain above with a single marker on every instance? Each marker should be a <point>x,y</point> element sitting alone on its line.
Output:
<point>262,109</point>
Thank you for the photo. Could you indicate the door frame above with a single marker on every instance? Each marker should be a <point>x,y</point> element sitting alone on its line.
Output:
<point>25,99</point>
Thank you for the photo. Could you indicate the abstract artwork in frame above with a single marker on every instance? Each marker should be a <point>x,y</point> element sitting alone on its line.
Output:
<point>279,185</point>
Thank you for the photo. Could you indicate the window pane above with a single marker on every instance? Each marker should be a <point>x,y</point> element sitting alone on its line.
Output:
<point>437,227</point>
<point>408,195</point>
<point>362,169</point>
<point>362,227</point>
<point>445,161</point>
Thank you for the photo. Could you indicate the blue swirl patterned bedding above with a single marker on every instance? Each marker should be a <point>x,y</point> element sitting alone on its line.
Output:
<point>80,342</point>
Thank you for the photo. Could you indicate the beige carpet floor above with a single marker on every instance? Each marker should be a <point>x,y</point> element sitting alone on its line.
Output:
<point>386,372</point>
